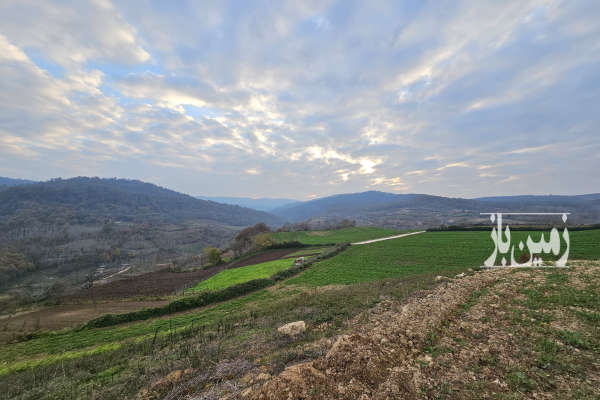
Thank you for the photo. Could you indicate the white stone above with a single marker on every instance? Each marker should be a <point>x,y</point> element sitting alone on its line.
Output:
<point>292,329</point>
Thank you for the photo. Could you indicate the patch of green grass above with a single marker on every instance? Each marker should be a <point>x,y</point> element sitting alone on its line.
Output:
<point>230,277</point>
<point>591,317</point>
<point>519,380</point>
<point>547,352</point>
<point>355,234</point>
<point>574,339</point>
<point>426,253</point>
<point>433,253</point>
<point>72,344</point>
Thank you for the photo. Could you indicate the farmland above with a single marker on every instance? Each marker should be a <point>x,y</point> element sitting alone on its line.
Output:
<point>344,235</point>
<point>230,277</point>
<point>430,253</point>
<point>138,353</point>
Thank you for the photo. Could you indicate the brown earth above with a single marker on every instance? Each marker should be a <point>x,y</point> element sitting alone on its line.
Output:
<point>65,316</point>
<point>270,255</point>
<point>165,282</point>
<point>482,336</point>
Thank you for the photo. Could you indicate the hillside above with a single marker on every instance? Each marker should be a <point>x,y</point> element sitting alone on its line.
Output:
<point>58,232</point>
<point>7,182</point>
<point>390,319</point>
<point>423,211</point>
<point>261,204</point>
<point>88,200</point>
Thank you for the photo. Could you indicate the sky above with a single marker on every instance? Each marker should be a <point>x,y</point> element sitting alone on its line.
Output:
<point>300,99</point>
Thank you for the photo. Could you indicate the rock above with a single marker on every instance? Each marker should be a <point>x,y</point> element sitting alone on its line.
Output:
<point>246,392</point>
<point>292,329</point>
<point>462,275</point>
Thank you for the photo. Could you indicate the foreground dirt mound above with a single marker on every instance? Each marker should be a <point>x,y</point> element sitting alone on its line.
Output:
<point>475,337</point>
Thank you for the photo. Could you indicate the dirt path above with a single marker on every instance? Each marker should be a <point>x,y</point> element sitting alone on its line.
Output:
<point>387,238</point>
<point>494,334</point>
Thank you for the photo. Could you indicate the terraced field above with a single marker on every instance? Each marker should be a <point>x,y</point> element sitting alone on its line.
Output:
<point>230,277</point>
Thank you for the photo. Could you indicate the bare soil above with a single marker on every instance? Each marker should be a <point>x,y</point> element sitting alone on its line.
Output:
<point>165,282</point>
<point>65,316</point>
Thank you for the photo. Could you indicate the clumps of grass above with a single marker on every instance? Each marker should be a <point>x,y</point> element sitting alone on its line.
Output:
<point>519,380</point>
<point>547,352</point>
<point>589,316</point>
<point>574,339</point>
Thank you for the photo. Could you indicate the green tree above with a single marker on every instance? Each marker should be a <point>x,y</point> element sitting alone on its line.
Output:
<point>212,255</point>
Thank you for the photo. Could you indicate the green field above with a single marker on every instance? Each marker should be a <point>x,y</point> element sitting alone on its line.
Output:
<point>408,263</point>
<point>230,277</point>
<point>356,234</point>
<point>426,253</point>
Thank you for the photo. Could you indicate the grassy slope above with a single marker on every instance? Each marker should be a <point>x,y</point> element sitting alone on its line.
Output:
<point>410,258</point>
<point>230,277</point>
<point>430,253</point>
<point>356,234</point>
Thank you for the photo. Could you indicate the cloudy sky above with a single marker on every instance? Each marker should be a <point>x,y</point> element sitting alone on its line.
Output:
<point>300,99</point>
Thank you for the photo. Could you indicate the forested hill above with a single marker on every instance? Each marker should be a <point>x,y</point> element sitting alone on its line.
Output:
<point>6,182</point>
<point>425,211</point>
<point>93,200</point>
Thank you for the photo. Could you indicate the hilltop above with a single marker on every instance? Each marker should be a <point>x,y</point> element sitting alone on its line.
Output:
<point>421,210</point>
<point>83,200</point>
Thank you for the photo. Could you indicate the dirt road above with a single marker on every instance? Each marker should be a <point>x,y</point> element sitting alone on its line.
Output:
<point>387,238</point>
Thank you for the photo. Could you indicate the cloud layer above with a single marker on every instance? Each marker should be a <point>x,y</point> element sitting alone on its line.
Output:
<point>296,99</point>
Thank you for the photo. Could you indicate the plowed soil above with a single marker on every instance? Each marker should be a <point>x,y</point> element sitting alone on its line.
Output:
<point>165,282</point>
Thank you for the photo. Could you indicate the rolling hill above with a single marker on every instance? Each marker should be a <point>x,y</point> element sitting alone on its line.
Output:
<point>261,204</point>
<point>89,200</point>
<point>62,230</point>
<point>421,210</point>
<point>7,182</point>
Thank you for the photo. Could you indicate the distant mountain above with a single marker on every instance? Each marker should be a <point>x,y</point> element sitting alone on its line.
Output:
<point>261,204</point>
<point>13,182</point>
<point>550,198</point>
<point>90,200</point>
<point>420,210</point>
<point>356,204</point>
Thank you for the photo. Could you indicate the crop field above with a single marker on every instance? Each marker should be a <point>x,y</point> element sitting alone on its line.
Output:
<point>438,253</point>
<point>356,234</point>
<point>66,316</point>
<point>158,283</point>
<point>72,363</point>
<point>230,277</point>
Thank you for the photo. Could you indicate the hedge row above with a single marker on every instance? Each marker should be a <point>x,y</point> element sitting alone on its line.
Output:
<point>208,297</point>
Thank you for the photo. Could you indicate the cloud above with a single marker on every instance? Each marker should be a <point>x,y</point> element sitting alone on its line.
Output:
<point>267,99</point>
